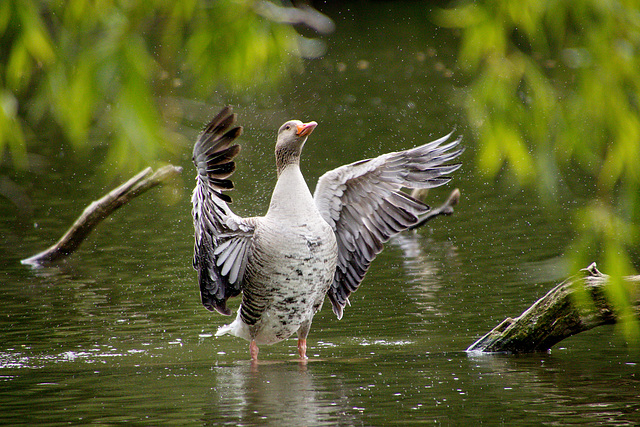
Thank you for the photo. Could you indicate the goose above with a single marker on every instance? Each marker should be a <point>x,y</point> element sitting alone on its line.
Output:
<point>306,247</point>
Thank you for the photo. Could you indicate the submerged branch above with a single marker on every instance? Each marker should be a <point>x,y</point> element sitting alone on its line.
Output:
<point>556,316</point>
<point>99,210</point>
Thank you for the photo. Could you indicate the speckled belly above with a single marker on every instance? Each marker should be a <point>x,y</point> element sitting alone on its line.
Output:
<point>288,274</point>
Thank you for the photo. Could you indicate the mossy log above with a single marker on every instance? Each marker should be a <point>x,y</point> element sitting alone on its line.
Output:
<point>557,315</point>
<point>99,210</point>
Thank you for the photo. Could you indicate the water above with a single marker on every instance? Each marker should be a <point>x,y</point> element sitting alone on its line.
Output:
<point>117,334</point>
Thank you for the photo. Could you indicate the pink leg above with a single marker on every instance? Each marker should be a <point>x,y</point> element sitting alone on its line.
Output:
<point>253,350</point>
<point>302,348</point>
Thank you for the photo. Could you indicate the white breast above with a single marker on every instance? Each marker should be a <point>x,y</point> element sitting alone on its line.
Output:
<point>291,265</point>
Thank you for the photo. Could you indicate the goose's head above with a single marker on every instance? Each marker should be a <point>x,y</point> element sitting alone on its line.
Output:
<point>291,138</point>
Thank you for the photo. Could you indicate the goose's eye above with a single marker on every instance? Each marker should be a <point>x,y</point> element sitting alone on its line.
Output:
<point>287,127</point>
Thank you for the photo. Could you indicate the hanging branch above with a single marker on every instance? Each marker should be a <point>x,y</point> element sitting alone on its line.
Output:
<point>556,316</point>
<point>99,210</point>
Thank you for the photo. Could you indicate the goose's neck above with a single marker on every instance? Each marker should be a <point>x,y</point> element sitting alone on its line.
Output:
<point>287,155</point>
<point>291,196</point>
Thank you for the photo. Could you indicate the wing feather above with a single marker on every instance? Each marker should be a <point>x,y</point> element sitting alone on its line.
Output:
<point>365,206</point>
<point>222,239</point>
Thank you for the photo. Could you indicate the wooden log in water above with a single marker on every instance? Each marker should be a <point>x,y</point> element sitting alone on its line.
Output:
<point>99,210</point>
<point>557,315</point>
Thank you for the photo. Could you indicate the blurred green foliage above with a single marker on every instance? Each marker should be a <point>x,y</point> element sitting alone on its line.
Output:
<point>80,65</point>
<point>555,91</point>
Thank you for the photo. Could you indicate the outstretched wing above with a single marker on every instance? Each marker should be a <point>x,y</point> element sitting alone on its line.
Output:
<point>365,206</point>
<point>222,239</point>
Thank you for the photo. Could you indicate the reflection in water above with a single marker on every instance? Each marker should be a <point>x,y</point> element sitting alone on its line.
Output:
<point>576,390</point>
<point>272,393</point>
<point>421,267</point>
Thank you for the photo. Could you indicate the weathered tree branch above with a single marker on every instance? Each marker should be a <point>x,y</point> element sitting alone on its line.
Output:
<point>445,209</point>
<point>556,316</point>
<point>99,210</point>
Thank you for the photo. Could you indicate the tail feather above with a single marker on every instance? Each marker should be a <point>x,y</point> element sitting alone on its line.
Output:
<point>224,329</point>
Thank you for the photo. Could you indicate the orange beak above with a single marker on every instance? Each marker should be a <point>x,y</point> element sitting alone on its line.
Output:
<point>305,129</point>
